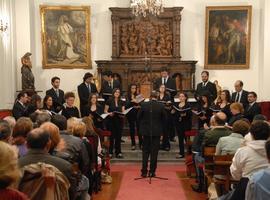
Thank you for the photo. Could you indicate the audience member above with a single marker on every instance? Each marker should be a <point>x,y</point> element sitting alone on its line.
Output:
<point>9,173</point>
<point>22,127</point>
<point>42,118</point>
<point>39,143</point>
<point>5,131</point>
<point>250,158</point>
<point>229,144</point>
<point>11,121</point>
<point>35,105</point>
<point>258,186</point>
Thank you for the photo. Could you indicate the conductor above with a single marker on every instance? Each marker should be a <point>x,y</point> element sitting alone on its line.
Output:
<point>151,118</point>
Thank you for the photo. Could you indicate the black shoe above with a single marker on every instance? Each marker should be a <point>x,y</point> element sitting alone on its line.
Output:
<point>144,175</point>
<point>119,155</point>
<point>196,188</point>
<point>133,147</point>
<point>152,174</point>
<point>123,141</point>
<point>173,140</point>
<point>179,156</point>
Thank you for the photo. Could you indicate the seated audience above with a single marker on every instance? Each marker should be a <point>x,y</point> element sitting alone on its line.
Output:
<point>42,118</point>
<point>69,110</point>
<point>237,111</point>
<point>11,121</point>
<point>39,142</point>
<point>250,158</point>
<point>9,173</point>
<point>211,138</point>
<point>5,132</point>
<point>253,108</point>
<point>248,136</point>
<point>20,106</point>
<point>258,186</point>
<point>48,104</point>
<point>22,127</point>
<point>229,144</point>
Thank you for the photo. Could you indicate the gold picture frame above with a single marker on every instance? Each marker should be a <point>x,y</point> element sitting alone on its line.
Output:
<point>227,37</point>
<point>65,33</point>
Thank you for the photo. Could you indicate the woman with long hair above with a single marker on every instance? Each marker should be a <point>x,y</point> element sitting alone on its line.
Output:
<point>183,120</point>
<point>115,121</point>
<point>204,110</point>
<point>94,110</point>
<point>132,115</point>
<point>48,103</point>
<point>165,98</point>
<point>224,105</point>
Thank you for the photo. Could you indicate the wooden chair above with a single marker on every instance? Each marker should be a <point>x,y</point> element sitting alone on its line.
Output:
<point>189,134</point>
<point>209,153</point>
<point>221,173</point>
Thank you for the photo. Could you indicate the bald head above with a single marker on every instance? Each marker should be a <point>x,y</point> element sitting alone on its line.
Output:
<point>220,119</point>
<point>38,139</point>
<point>238,85</point>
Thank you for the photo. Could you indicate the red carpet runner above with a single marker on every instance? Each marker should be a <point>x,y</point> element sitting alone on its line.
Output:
<point>159,189</point>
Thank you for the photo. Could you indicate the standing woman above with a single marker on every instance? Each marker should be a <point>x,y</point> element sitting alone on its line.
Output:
<point>132,115</point>
<point>48,103</point>
<point>204,108</point>
<point>165,99</point>
<point>94,109</point>
<point>115,122</point>
<point>224,105</point>
<point>69,109</point>
<point>183,120</point>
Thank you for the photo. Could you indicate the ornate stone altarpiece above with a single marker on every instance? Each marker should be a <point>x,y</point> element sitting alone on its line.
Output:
<point>141,46</point>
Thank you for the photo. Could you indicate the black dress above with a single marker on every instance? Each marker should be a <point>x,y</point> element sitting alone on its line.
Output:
<point>183,122</point>
<point>115,125</point>
<point>133,121</point>
<point>69,112</point>
<point>206,112</point>
<point>95,114</point>
<point>168,131</point>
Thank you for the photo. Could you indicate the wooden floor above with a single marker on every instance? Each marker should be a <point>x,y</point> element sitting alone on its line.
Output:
<point>109,191</point>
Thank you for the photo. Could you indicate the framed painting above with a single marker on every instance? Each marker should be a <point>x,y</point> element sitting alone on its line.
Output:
<point>65,32</point>
<point>227,37</point>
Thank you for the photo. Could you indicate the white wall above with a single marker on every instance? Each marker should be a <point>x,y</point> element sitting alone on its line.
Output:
<point>192,41</point>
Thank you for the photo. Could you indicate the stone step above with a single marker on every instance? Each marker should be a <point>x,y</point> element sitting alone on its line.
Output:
<point>133,160</point>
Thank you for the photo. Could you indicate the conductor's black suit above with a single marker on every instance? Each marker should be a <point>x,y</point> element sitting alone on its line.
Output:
<point>151,118</point>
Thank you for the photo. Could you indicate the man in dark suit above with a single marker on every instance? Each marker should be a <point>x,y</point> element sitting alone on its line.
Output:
<point>240,95</point>
<point>206,87</point>
<point>39,143</point>
<point>151,117</point>
<point>166,80</point>
<point>20,106</point>
<point>85,89</point>
<point>253,108</point>
<point>108,84</point>
<point>56,94</point>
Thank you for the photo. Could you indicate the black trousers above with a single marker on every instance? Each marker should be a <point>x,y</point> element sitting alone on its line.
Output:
<point>115,125</point>
<point>181,137</point>
<point>150,148</point>
<point>133,126</point>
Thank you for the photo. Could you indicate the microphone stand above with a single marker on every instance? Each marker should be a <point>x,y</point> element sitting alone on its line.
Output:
<point>149,69</point>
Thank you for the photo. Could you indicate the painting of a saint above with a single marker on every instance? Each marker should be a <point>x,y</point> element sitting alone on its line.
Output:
<point>66,36</point>
<point>227,42</point>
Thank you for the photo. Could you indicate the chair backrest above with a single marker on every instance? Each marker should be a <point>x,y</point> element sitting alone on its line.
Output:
<point>222,164</point>
<point>42,181</point>
<point>209,153</point>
